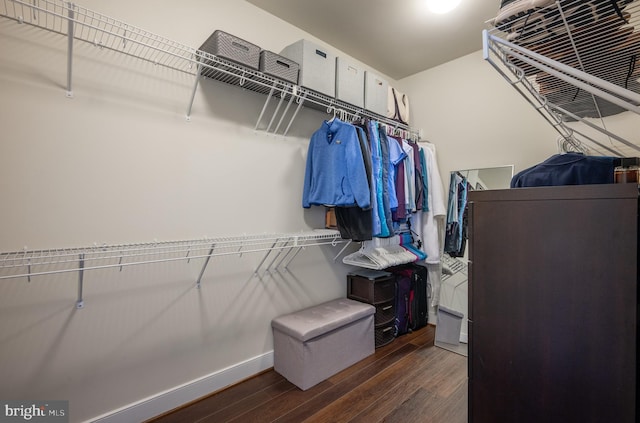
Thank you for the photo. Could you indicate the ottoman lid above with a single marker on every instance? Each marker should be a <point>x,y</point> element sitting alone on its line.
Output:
<point>315,321</point>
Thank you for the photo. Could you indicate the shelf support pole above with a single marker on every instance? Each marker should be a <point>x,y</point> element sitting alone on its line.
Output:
<point>295,113</point>
<point>266,103</point>
<point>285,256</point>
<point>275,113</point>
<point>204,267</point>
<point>286,109</point>
<point>342,250</point>
<point>80,301</point>
<point>266,255</point>
<point>70,49</point>
<point>193,92</point>
<point>280,254</point>
<point>293,256</point>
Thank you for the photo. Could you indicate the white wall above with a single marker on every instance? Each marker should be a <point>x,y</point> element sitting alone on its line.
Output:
<point>119,163</point>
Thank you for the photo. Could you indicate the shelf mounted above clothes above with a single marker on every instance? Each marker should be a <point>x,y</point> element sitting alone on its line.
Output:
<point>576,63</point>
<point>78,23</point>
<point>279,251</point>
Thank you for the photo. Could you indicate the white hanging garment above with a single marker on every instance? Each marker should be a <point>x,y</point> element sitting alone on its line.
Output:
<point>437,208</point>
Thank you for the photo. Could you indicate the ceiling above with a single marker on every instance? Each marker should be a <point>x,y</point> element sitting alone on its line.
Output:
<point>396,37</point>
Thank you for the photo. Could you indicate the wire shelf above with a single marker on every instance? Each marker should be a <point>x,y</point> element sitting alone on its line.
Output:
<point>574,61</point>
<point>28,263</point>
<point>279,251</point>
<point>82,24</point>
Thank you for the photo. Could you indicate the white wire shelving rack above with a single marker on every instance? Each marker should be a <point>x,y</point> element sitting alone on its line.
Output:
<point>575,62</point>
<point>279,251</point>
<point>80,24</point>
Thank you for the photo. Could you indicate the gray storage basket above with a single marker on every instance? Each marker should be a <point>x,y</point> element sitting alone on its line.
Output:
<point>232,48</point>
<point>278,66</point>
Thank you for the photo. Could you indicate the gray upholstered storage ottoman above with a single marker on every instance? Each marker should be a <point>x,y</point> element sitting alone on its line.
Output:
<point>315,343</point>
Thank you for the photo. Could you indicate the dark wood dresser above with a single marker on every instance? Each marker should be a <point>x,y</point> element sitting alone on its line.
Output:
<point>553,304</point>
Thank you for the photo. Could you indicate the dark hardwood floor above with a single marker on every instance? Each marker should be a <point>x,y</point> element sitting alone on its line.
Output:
<point>408,380</point>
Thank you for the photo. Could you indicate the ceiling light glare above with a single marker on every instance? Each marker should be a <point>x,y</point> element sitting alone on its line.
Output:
<point>442,6</point>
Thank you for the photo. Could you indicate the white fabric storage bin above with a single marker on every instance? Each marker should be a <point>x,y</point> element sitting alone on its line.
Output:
<point>317,66</point>
<point>376,91</point>
<point>313,344</point>
<point>448,326</point>
<point>349,82</point>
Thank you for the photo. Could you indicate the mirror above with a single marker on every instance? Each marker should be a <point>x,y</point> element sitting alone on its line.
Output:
<point>452,328</point>
<point>489,177</point>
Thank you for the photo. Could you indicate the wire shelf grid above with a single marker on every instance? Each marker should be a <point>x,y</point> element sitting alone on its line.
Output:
<point>107,33</point>
<point>574,61</point>
<point>28,263</point>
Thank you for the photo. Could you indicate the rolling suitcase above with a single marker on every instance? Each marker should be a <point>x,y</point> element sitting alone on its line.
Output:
<point>420,298</point>
<point>403,301</point>
<point>412,297</point>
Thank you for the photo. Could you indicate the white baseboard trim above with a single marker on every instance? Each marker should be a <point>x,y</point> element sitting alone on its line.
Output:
<point>168,400</point>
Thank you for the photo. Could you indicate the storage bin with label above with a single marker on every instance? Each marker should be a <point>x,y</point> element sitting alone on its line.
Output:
<point>317,66</point>
<point>230,47</point>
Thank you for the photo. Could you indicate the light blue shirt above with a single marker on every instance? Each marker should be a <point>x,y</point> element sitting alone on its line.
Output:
<point>335,174</point>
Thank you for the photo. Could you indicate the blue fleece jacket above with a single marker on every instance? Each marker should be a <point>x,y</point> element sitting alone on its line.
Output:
<point>335,173</point>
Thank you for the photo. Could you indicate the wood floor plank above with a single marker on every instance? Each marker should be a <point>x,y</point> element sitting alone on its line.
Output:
<point>374,389</point>
<point>427,364</point>
<point>379,353</point>
<point>409,381</point>
<point>447,377</point>
<point>388,401</point>
<point>238,408</point>
<point>350,404</point>
<point>419,407</point>
<point>280,406</point>
<point>220,400</point>
<point>385,387</point>
<point>454,408</point>
<point>423,337</point>
<point>344,387</point>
